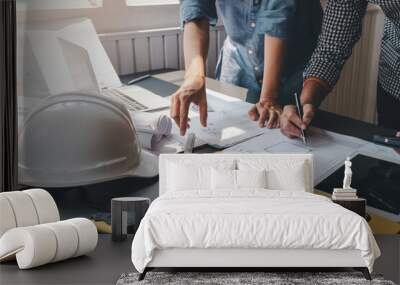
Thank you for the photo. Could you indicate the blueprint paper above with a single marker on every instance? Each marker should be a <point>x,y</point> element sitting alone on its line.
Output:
<point>381,152</point>
<point>227,128</point>
<point>228,125</point>
<point>329,149</point>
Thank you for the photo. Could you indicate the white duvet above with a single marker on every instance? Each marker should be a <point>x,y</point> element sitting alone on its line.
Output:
<point>250,219</point>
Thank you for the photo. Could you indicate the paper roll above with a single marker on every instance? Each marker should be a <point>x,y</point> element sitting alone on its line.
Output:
<point>154,123</point>
<point>7,218</point>
<point>23,207</point>
<point>45,205</point>
<point>151,128</point>
<point>67,240</point>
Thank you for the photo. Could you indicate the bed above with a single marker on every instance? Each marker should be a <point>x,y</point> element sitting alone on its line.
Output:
<point>247,211</point>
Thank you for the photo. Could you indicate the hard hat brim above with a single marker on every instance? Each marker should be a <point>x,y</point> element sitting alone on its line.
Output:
<point>148,166</point>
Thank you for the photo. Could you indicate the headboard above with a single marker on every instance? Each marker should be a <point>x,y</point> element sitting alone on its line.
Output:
<point>165,159</point>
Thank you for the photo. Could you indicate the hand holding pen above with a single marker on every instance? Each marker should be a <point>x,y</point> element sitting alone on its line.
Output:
<point>301,115</point>
<point>293,124</point>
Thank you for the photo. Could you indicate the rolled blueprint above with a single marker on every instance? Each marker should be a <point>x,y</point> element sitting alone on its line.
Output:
<point>151,128</point>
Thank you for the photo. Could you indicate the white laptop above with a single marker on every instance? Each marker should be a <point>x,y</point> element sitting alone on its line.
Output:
<point>71,58</point>
<point>137,98</point>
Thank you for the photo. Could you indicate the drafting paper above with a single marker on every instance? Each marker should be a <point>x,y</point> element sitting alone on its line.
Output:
<point>227,126</point>
<point>381,152</point>
<point>329,149</point>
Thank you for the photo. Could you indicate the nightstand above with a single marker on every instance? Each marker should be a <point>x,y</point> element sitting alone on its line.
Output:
<point>121,209</point>
<point>357,205</point>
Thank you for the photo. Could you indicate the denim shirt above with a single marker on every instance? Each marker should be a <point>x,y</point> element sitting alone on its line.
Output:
<point>246,22</point>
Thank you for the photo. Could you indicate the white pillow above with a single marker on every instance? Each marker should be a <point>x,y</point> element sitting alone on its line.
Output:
<point>184,175</point>
<point>288,174</point>
<point>226,179</point>
<point>223,179</point>
<point>294,179</point>
<point>251,178</point>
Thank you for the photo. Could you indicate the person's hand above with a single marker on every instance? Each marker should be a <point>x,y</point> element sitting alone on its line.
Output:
<point>397,149</point>
<point>193,90</point>
<point>263,111</point>
<point>290,122</point>
<point>313,93</point>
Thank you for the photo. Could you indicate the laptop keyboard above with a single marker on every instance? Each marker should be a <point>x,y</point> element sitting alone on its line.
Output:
<point>130,103</point>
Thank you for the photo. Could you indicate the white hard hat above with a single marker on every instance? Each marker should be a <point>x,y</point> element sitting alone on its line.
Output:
<point>78,139</point>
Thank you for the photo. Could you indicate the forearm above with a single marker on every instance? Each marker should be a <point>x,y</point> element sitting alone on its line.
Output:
<point>314,91</point>
<point>274,56</point>
<point>195,42</point>
<point>341,29</point>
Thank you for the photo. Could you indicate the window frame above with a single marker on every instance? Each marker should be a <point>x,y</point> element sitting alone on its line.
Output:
<point>8,97</point>
<point>66,5</point>
<point>153,3</point>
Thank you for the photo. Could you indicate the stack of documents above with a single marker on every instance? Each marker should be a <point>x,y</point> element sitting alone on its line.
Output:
<point>344,194</point>
<point>151,128</point>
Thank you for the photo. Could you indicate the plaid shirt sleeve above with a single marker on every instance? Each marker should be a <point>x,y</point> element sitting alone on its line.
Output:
<point>341,29</point>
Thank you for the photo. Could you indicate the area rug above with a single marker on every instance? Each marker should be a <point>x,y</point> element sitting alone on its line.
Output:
<point>244,278</point>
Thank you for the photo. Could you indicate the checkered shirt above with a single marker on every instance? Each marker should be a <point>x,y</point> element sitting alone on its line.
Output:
<point>341,29</point>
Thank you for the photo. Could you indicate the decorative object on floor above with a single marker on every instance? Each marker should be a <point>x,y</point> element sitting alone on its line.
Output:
<point>357,205</point>
<point>26,208</point>
<point>102,221</point>
<point>47,243</point>
<point>125,212</point>
<point>243,278</point>
<point>31,231</point>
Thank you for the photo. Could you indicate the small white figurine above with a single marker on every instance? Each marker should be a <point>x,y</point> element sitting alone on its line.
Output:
<point>348,173</point>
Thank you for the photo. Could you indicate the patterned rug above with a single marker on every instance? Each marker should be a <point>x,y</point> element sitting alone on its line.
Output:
<point>244,278</point>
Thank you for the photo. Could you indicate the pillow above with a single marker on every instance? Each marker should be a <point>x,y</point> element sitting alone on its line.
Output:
<point>226,179</point>
<point>251,178</point>
<point>293,179</point>
<point>285,174</point>
<point>223,179</point>
<point>186,175</point>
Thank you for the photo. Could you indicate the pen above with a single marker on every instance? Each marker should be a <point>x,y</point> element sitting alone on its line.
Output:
<point>388,141</point>
<point>136,80</point>
<point>300,111</point>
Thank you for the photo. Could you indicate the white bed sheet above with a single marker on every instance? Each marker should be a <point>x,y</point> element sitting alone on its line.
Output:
<point>250,219</point>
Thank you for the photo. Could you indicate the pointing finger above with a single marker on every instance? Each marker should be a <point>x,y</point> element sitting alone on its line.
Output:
<point>203,110</point>
<point>184,114</point>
